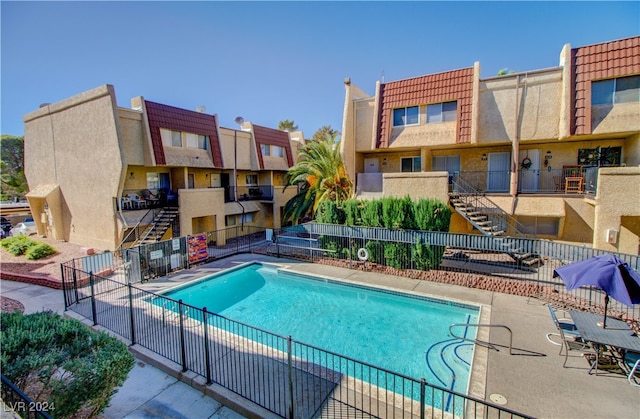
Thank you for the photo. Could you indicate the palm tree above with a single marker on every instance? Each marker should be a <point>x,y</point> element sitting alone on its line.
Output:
<point>319,175</point>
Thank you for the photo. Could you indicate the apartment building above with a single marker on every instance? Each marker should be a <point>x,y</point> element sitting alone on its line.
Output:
<point>552,152</point>
<point>98,172</point>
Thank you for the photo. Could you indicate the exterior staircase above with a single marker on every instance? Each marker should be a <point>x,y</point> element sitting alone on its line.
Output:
<point>491,220</point>
<point>161,223</point>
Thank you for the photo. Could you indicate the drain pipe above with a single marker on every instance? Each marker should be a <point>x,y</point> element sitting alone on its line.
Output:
<point>242,219</point>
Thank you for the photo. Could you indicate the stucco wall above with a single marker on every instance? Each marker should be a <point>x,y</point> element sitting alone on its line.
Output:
<point>618,196</point>
<point>416,185</point>
<point>539,100</point>
<point>433,134</point>
<point>619,118</point>
<point>74,143</point>
<point>198,203</point>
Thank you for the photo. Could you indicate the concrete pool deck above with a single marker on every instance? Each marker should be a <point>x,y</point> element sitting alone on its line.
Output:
<point>531,380</point>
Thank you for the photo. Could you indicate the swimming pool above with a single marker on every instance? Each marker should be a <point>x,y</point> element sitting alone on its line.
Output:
<point>405,333</point>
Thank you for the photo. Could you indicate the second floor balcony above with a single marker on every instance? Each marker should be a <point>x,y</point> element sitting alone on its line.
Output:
<point>248,193</point>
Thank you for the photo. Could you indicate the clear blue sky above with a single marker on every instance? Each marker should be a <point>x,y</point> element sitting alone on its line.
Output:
<point>270,61</point>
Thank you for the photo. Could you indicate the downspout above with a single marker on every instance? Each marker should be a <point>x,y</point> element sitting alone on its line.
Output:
<point>513,190</point>
<point>242,219</point>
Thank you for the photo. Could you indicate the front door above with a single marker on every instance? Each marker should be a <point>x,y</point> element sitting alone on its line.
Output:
<point>371,165</point>
<point>498,175</point>
<point>529,170</point>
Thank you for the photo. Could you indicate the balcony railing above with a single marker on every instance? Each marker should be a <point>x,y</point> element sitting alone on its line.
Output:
<point>578,180</point>
<point>249,193</point>
<point>137,199</point>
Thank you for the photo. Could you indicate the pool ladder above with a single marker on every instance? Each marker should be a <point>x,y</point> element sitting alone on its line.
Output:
<point>489,344</point>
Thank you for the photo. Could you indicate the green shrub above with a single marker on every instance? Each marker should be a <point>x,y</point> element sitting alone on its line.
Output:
<point>371,213</point>
<point>432,215</point>
<point>39,251</point>
<point>352,209</point>
<point>62,362</point>
<point>18,245</point>
<point>329,213</point>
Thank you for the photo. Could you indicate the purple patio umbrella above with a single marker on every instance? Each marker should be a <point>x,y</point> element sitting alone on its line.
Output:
<point>606,272</point>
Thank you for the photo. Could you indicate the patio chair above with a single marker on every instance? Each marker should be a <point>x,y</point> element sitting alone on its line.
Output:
<point>569,339</point>
<point>632,359</point>
<point>565,323</point>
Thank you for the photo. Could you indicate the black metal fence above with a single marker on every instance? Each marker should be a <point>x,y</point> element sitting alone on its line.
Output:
<point>15,401</point>
<point>287,377</point>
<point>514,263</point>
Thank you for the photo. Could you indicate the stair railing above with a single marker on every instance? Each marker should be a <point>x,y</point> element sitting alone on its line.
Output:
<point>136,231</point>
<point>499,218</point>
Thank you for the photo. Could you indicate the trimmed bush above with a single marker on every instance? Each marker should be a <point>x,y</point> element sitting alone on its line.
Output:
<point>17,245</point>
<point>23,245</point>
<point>391,213</point>
<point>39,251</point>
<point>63,363</point>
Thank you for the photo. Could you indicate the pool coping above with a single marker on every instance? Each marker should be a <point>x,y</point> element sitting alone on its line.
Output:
<point>476,384</point>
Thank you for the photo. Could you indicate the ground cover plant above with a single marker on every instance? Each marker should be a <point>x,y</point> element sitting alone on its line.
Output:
<point>62,364</point>
<point>390,213</point>
<point>31,249</point>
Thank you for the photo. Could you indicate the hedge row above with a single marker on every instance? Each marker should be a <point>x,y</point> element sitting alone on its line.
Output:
<point>391,213</point>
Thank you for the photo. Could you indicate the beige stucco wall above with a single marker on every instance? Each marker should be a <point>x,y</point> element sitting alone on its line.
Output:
<point>612,119</point>
<point>631,151</point>
<point>416,185</point>
<point>205,206</point>
<point>131,136</point>
<point>443,133</point>
<point>537,99</point>
<point>245,156</point>
<point>75,144</point>
<point>618,196</point>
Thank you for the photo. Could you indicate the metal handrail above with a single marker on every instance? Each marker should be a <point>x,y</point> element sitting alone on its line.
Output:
<point>478,340</point>
<point>135,228</point>
<point>479,200</point>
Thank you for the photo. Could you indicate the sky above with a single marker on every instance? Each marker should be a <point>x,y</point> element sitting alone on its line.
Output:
<point>271,61</point>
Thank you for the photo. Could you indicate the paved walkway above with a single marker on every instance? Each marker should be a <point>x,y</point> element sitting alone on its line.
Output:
<point>148,392</point>
<point>531,381</point>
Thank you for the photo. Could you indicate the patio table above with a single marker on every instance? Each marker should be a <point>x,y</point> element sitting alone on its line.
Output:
<point>617,334</point>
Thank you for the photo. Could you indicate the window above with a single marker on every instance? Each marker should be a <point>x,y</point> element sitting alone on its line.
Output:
<point>600,156</point>
<point>251,179</point>
<point>449,163</point>
<point>265,149</point>
<point>442,112</point>
<point>540,226</point>
<point>171,138</point>
<point>612,91</point>
<point>410,164</point>
<point>230,220</point>
<point>248,217</point>
<point>406,116</point>
<point>197,141</point>
<point>153,180</point>
<point>277,151</point>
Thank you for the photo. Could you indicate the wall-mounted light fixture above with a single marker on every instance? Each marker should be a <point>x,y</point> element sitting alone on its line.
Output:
<point>484,156</point>
<point>131,175</point>
<point>547,157</point>
<point>206,175</point>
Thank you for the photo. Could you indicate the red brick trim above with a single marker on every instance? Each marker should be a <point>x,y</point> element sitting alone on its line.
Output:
<point>44,281</point>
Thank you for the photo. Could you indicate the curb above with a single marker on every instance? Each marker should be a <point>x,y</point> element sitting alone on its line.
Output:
<point>44,281</point>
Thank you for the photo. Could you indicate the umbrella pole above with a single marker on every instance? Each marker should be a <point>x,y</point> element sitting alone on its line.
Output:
<point>606,303</point>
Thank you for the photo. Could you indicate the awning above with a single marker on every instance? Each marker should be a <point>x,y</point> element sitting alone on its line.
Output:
<point>43,191</point>
<point>233,208</point>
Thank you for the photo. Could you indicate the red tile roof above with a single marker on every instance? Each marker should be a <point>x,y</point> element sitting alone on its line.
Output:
<point>264,135</point>
<point>596,62</point>
<point>435,88</point>
<point>177,119</point>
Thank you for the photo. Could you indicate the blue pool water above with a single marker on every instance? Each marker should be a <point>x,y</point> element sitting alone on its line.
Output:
<point>404,333</point>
